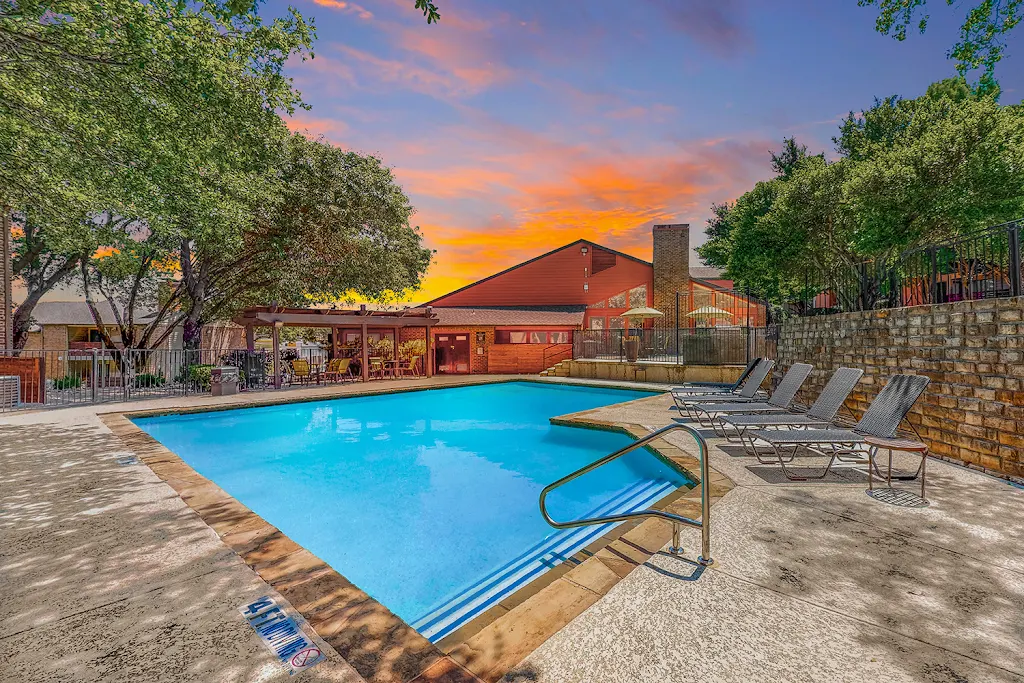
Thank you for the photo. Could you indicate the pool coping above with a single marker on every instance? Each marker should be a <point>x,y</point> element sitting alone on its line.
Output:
<point>379,645</point>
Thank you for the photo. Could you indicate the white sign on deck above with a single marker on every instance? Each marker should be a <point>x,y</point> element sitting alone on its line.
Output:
<point>282,635</point>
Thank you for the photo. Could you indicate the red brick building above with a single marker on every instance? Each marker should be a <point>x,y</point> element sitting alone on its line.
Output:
<point>521,320</point>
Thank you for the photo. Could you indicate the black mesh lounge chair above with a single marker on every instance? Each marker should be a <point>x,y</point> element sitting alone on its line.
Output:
<point>821,413</point>
<point>708,414</point>
<point>882,418</point>
<point>745,395</point>
<point>713,388</point>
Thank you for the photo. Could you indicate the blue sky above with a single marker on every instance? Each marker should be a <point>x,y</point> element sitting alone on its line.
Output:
<point>518,126</point>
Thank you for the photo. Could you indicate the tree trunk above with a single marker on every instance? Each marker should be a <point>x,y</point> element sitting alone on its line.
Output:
<point>192,335</point>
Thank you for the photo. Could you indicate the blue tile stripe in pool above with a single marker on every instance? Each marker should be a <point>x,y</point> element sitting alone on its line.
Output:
<point>452,613</point>
<point>426,500</point>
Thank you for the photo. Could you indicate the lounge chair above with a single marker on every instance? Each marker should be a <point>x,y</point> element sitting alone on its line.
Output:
<point>708,414</point>
<point>881,419</point>
<point>821,413</point>
<point>746,394</point>
<point>718,388</point>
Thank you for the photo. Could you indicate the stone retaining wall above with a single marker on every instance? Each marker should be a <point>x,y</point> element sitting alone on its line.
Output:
<point>973,351</point>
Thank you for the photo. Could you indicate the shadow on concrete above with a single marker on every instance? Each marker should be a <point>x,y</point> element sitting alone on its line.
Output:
<point>104,569</point>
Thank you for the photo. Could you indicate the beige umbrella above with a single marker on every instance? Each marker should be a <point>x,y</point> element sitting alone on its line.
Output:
<point>634,315</point>
<point>709,312</point>
<point>642,313</point>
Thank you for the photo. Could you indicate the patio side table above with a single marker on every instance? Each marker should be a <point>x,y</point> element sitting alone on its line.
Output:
<point>904,445</point>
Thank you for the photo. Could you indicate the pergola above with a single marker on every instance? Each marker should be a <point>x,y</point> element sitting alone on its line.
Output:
<point>276,317</point>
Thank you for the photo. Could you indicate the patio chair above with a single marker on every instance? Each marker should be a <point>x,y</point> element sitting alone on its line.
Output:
<point>376,367</point>
<point>338,370</point>
<point>718,388</point>
<point>821,413</point>
<point>301,371</point>
<point>410,367</point>
<point>708,414</point>
<point>881,419</point>
<point>746,394</point>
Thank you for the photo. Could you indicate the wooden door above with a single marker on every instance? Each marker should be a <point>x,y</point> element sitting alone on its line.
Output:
<point>452,353</point>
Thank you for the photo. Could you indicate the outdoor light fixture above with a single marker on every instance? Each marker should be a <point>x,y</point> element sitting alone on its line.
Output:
<point>583,250</point>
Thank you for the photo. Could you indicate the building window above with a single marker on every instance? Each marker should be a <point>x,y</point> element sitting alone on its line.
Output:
<point>638,297</point>
<point>599,304</point>
<point>617,301</point>
<point>597,323</point>
<point>616,322</point>
<point>530,337</point>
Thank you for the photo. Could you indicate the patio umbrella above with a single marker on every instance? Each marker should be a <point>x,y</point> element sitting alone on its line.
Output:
<point>642,313</point>
<point>709,312</point>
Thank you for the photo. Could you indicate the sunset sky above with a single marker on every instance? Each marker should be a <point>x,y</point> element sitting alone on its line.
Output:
<point>521,125</point>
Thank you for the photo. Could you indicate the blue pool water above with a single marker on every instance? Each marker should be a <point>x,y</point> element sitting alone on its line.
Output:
<point>426,500</point>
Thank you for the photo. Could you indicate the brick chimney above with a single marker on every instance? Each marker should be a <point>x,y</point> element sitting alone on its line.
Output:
<point>671,267</point>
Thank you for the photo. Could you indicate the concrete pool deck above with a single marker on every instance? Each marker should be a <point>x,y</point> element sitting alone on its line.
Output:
<point>811,581</point>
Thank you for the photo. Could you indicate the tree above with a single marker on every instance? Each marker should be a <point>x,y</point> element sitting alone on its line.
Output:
<point>734,241</point>
<point>982,34</point>
<point>910,172</point>
<point>42,261</point>
<point>335,224</point>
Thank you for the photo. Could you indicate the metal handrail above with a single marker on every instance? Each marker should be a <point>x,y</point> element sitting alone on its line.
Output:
<point>705,494</point>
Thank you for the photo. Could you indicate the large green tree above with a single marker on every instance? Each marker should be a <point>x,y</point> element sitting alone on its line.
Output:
<point>335,224</point>
<point>162,113</point>
<point>909,172</point>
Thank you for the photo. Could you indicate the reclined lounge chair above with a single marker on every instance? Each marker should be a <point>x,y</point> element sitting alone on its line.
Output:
<point>746,394</point>
<point>881,419</point>
<point>713,388</point>
<point>821,414</point>
<point>709,414</point>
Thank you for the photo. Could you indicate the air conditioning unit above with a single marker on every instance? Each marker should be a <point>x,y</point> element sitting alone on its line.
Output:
<point>10,392</point>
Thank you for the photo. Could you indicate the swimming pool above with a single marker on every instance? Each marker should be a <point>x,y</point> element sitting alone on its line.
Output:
<point>427,500</point>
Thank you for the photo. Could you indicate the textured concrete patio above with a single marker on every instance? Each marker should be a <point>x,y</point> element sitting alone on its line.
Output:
<point>106,575</point>
<point>813,582</point>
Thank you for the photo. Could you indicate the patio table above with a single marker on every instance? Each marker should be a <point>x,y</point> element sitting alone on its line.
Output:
<point>875,443</point>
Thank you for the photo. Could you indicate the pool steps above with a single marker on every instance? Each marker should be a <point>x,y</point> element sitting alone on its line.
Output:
<point>465,604</point>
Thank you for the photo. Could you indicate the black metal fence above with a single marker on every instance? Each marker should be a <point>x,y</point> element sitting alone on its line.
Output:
<point>66,377</point>
<point>690,346</point>
<point>979,266</point>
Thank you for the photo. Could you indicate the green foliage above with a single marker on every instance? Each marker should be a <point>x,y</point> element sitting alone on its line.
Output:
<point>909,172</point>
<point>67,382</point>
<point>148,379</point>
<point>982,34</point>
<point>199,376</point>
<point>429,10</point>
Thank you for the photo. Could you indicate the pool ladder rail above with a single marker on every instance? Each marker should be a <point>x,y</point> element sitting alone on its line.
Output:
<point>678,521</point>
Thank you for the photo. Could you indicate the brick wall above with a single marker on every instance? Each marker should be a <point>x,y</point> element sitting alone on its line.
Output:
<point>671,267</point>
<point>973,351</point>
<point>478,362</point>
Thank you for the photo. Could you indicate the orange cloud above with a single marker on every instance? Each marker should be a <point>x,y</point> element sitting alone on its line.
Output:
<point>546,193</point>
<point>351,7</point>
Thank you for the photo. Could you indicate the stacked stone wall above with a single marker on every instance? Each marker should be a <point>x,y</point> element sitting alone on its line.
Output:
<point>973,351</point>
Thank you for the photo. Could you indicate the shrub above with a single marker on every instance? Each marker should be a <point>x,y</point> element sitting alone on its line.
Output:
<point>67,382</point>
<point>148,379</point>
<point>199,376</point>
